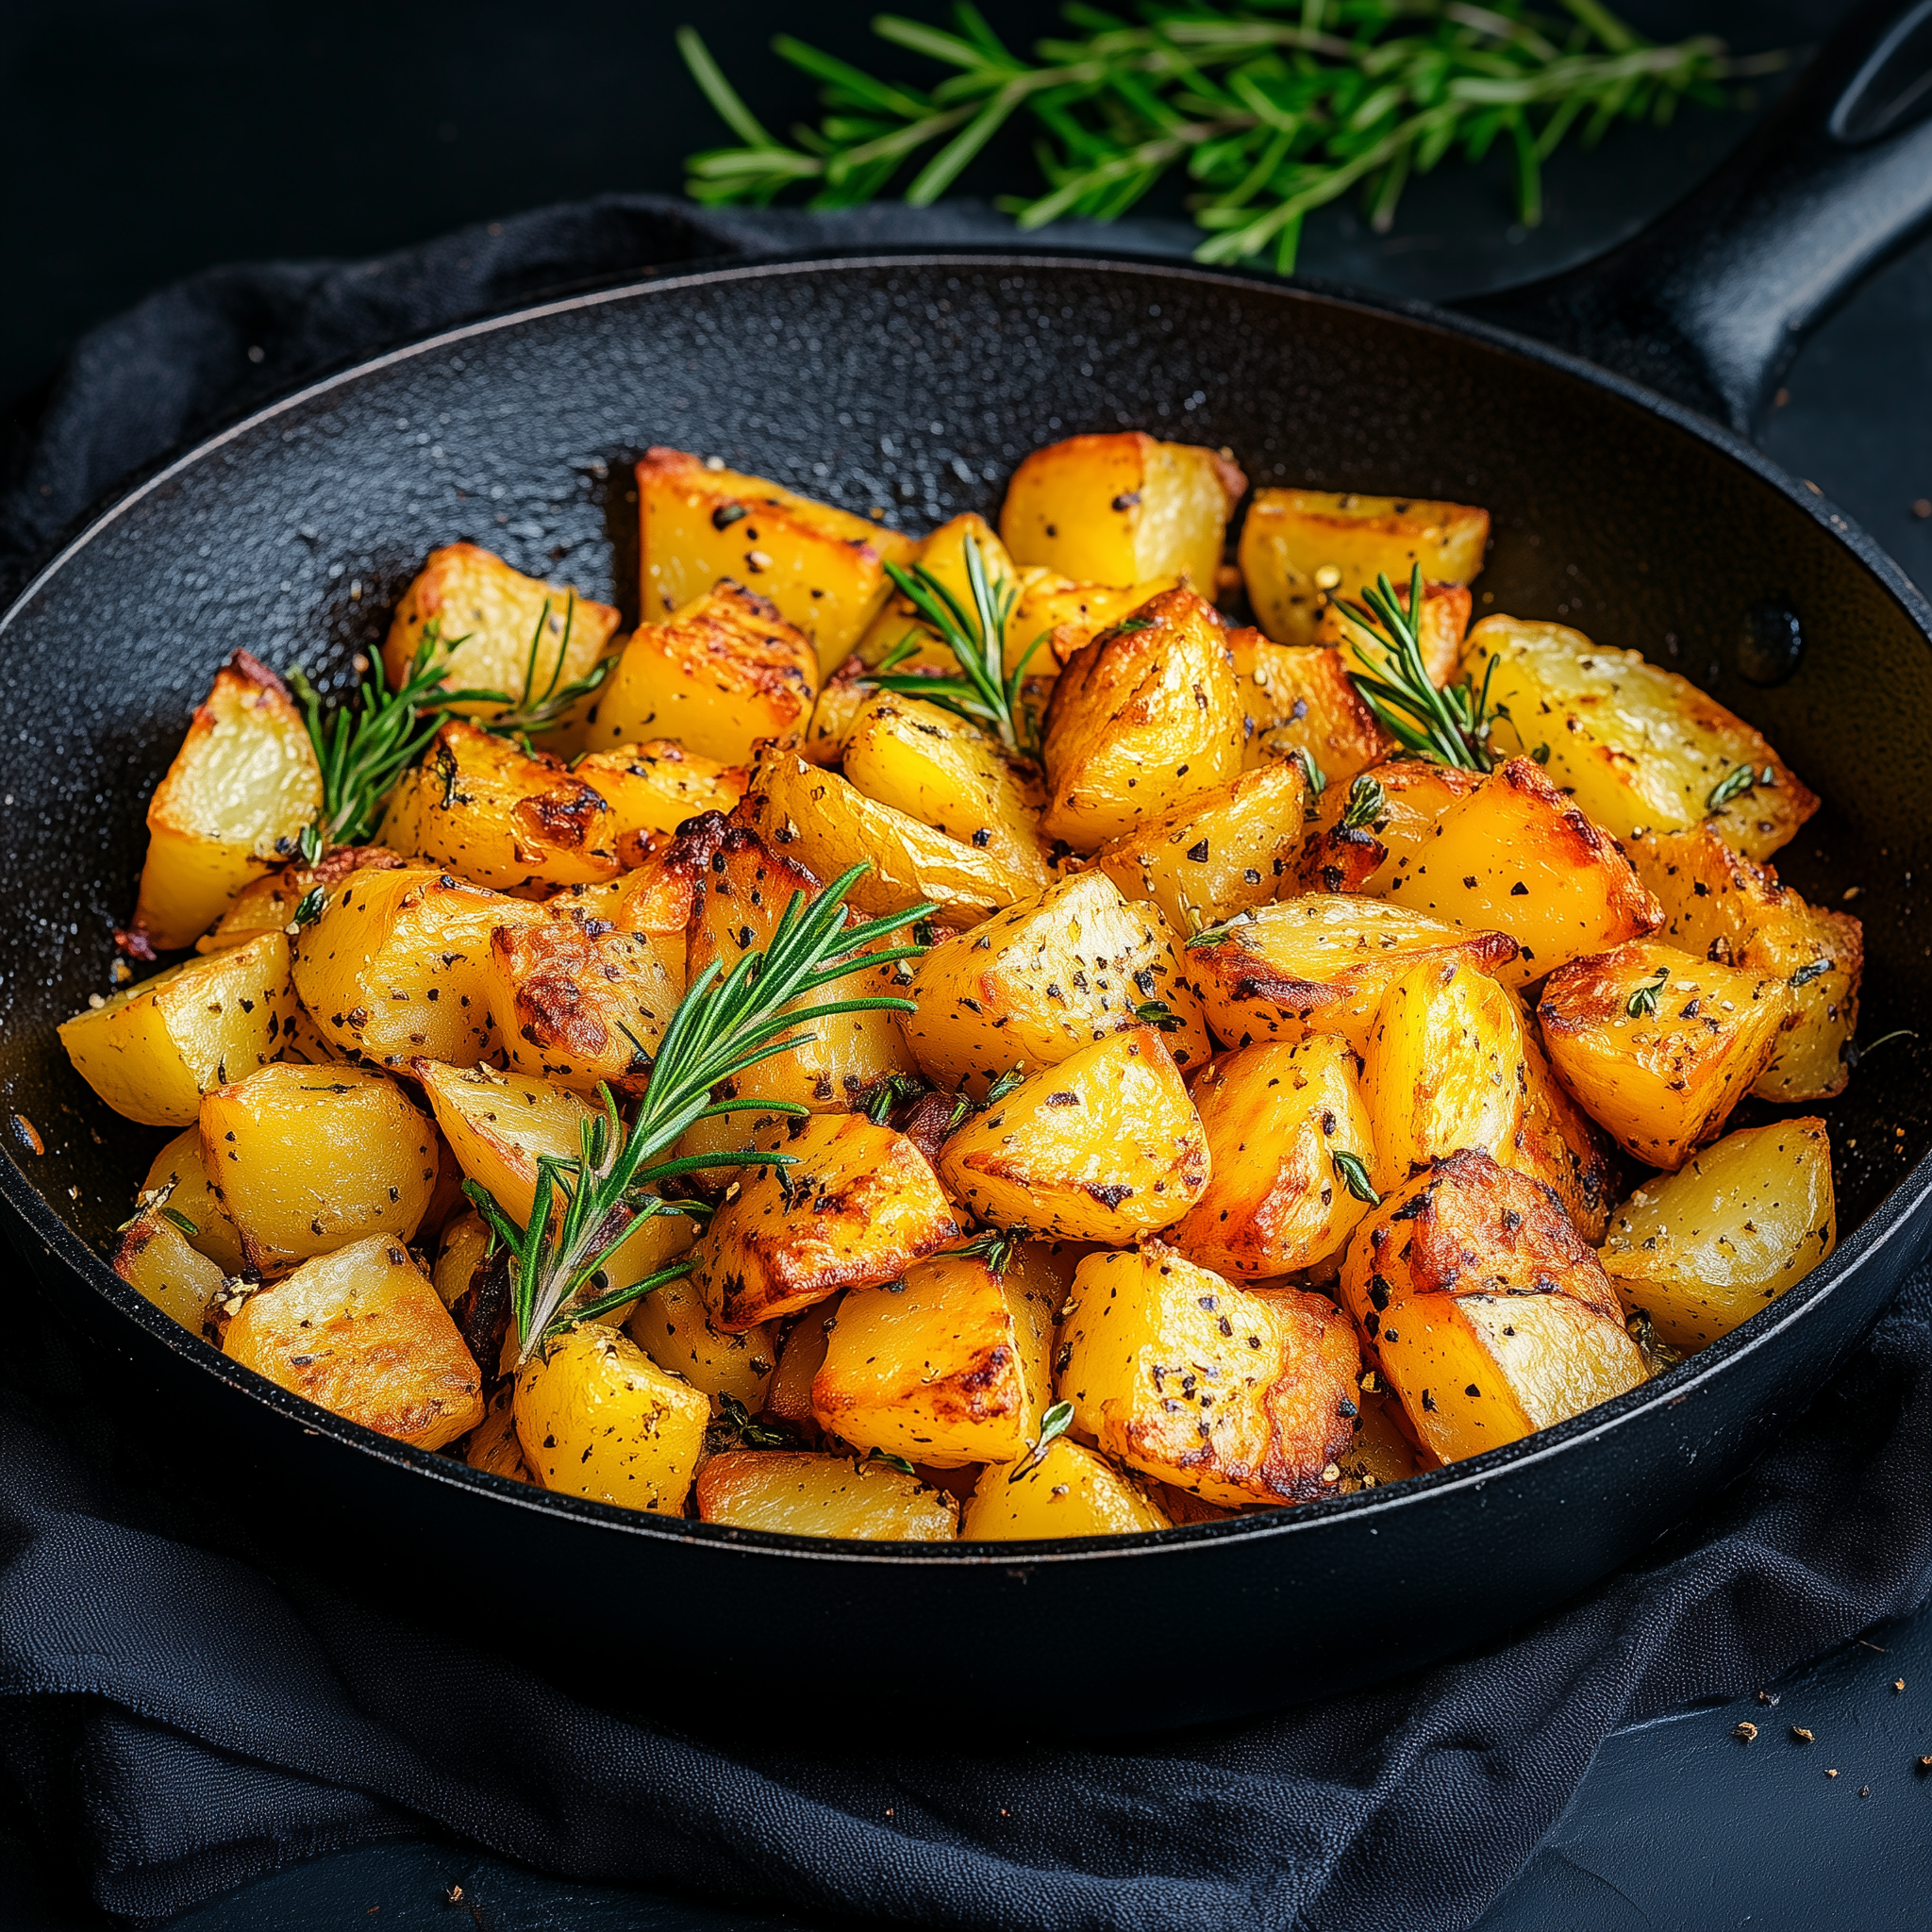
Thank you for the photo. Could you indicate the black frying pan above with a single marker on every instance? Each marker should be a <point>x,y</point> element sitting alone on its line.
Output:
<point>917,380</point>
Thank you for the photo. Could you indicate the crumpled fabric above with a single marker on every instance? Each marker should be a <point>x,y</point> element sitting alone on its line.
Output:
<point>180,1714</point>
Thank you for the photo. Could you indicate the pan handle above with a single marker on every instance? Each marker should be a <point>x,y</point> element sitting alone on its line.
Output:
<point>1712,302</point>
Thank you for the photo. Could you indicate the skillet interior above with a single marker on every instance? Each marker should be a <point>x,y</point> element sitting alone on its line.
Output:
<point>916,383</point>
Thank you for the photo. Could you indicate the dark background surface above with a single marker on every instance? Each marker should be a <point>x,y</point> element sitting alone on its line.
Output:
<point>145,139</point>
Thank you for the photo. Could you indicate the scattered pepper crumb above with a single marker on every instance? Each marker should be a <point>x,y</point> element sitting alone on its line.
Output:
<point>1744,1732</point>
<point>1864,1790</point>
<point>1831,1773</point>
<point>1803,1736</point>
<point>1898,1683</point>
<point>29,1133</point>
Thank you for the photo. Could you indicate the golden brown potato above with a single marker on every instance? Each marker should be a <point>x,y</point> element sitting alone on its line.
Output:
<point>493,1444</point>
<point>270,904</point>
<point>947,1368</point>
<point>787,1397</point>
<point>827,825</point>
<point>840,699</point>
<point>154,1048</point>
<point>824,568</point>
<point>1299,702</point>
<point>1300,548</point>
<point>308,1160</point>
<point>492,615</point>
<point>1277,1115</point>
<point>241,787</point>
<point>1704,1249</point>
<point>1659,1047</point>
<point>941,555</point>
<point>1071,1491</point>
<point>1445,621</point>
<point>155,1258</point>
<point>578,1004</point>
<point>1143,721</point>
<point>178,1179</point>
<point>721,675</point>
<point>1379,1452</point>
<point>596,1417</point>
<point>939,768</point>
<point>1043,978</point>
<point>362,1333</point>
<point>1320,962</point>
<point>464,1246</point>
<point>1719,906</point>
<point>1558,1143</point>
<point>1062,615</point>
<point>793,1492</point>
<point>1396,804</point>
<point>857,1205</point>
<point>653,788</point>
<point>1237,1397</point>
<point>671,1326</point>
<point>396,965</point>
<point>1640,749</point>
<point>1514,856</point>
<point>1123,509</point>
<point>1105,1146</point>
<point>1230,849</point>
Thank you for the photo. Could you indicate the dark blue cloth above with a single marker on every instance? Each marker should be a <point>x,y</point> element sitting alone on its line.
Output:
<point>180,1718</point>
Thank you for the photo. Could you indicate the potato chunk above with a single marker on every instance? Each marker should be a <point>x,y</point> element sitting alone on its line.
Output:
<point>493,616</point>
<point>397,965</point>
<point>596,1417</point>
<point>1039,981</point>
<point>1122,508</point>
<point>1277,1115</point>
<point>270,904</point>
<point>1105,1146</point>
<point>947,1368</point>
<point>1398,803</point>
<point>654,787</point>
<point>671,1326</point>
<point>1515,856</point>
<point>721,675</point>
<point>154,1048</point>
<point>1230,849</point>
<point>1640,749</point>
<point>1236,1397</point>
<point>1444,625</point>
<point>1072,1491</point>
<point>309,1160</point>
<point>1063,615</point>
<point>156,1259</point>
<point>1320,962</point>
<point>793,1492</point>
<point>462,1249</point>
<point>362,1333</point>
<point>857,1205</point>
<point>241,787</point>
<point>827,825</point>
<point>1658,1046</point>
<point>1143,721</point>
<point>494,1446</point>
<point>179,1179</point>
<point>1719,906</point>
<point>942,555</point>
<point>577,1005</point>
<point>1704,1249</point>
<point>943,770</point>
<point>824,568</point>
<point>1300,548</point>
<point>1299,702</point>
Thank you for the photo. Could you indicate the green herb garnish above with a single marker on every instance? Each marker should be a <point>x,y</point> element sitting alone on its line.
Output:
<point>1451,725</point>
<point>1735,782</point>
<point>1052,1426</point>
<point>539,711</point>
<point>1354,1176</point>
<point>1366,803</point>
<point>1642,1003</point>
<point>1158,1014</point>
<point>891,1460</point>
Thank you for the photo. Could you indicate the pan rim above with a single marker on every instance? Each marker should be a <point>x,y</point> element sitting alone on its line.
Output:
<point>1895,1213</point>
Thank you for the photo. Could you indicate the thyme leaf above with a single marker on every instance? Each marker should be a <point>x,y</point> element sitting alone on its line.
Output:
<point>1354,1176</point>
<point>1642,1003</point>
<point>1052,1426</point>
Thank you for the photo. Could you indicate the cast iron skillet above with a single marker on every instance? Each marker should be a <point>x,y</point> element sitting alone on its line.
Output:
<point>915,381</point>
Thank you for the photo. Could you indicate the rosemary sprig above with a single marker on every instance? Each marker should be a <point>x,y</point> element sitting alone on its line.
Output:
<point>1272,109</point>
<point>976,638</point>
<point>537,711</point>
<point>1451,725</point>
<point>585,1208</point>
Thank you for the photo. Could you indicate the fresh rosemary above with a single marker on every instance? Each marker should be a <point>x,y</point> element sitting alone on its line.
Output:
<point>976,638</point>
<point>1273,108</point>
<point>585,1208</point>
<point>1735,782</point>
<point>539,711</point>
<point>1451,725</point>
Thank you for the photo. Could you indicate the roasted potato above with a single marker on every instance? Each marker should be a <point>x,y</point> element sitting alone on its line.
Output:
<point>899,632</point>
<point>596,1417</point>
<point>1659,1047</point>
<point>1302,548</point>
<point>653,788</point>
<point>1143,721</point>
<point>493,1444</point>
<point>1637,748</point>
<point>462,1249</point>
<point>721,675</point>
<point>1277,1116</point>
<point>1105,1146</point>
<point>1444,625</point>
<point>946,1368</point>
<point>504,631</point>
<point>824,568</point>
<point>787,1397</point>
<point>1320,962</point>
<point>268,904</point>
<point>153,1049</point>
<point>671,1326</point>
<point>1123,509</point>
<point>361,1333</point>
<point>1035,983</point>
<point>1069,1491</point>
<point>1380,1452</point>
<point>155,1258</point>
<point>1396,807</point>
<point>179,1181</point>
<point>1060,615</point>
<point>241,789</point>
<point>1298,702</point>
<point>1237,1397</point>
<point>857,1205</point>
<point>1719,906</point>
<point>1704,1249</point>
<point>793,1492</point>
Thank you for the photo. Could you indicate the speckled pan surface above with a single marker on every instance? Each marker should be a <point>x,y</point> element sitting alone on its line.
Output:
<point>915,383</point>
